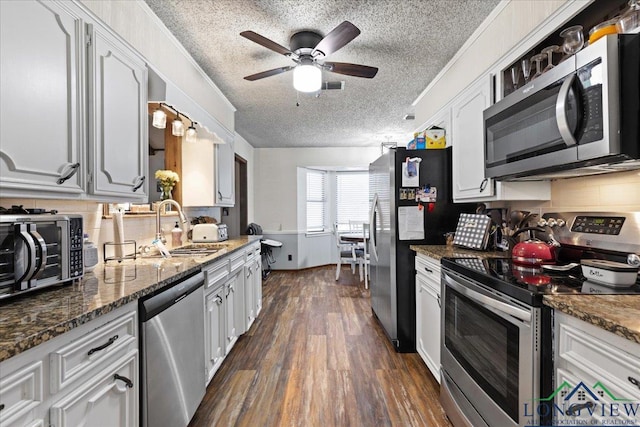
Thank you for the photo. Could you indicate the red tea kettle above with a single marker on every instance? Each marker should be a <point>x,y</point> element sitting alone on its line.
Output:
<point>534,251</point>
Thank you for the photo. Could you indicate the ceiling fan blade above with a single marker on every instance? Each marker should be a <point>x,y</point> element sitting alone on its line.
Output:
<point>336,39</point>
<point>355,70</point>
<point>269,73</point>
<point>263,41</point>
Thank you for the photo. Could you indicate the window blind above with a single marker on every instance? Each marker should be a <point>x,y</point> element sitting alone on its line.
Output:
<point>352,197</point>
<point>316,201</point>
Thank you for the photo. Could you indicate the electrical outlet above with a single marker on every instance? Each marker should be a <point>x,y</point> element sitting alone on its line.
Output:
<point>290,257</point>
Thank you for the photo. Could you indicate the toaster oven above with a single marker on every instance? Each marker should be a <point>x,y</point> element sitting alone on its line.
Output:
<point>38,251</point>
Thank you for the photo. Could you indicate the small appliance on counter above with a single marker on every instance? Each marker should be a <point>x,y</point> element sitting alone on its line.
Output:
<point>203,233</point>
<point>37,249</point>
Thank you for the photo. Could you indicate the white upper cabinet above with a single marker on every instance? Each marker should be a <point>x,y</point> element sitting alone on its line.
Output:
<point>73,105</point>
<point>466,135</point>
<point>225,173</point>
<point>468,145</point>
<point>118,117</point>
<point>41,126</point>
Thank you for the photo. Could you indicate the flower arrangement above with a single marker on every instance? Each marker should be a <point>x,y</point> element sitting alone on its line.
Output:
<point>167,179</point>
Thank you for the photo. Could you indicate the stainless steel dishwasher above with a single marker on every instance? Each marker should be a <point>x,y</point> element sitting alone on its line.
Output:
<point>172,345</point>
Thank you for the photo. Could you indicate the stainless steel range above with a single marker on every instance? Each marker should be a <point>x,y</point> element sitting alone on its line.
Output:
<point>497,334</point>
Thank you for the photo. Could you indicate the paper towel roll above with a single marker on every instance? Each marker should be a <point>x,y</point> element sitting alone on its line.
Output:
<point>118,233</point>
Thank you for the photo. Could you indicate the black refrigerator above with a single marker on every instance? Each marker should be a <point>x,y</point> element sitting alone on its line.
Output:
<point>398,222</point>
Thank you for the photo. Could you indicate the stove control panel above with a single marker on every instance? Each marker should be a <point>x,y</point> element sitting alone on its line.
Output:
<point>610,225</point>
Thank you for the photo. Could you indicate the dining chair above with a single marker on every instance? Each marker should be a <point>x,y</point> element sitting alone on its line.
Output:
<point>347,252</point>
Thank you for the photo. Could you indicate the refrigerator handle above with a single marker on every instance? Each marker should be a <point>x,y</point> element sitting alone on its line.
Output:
<point>372,226</point>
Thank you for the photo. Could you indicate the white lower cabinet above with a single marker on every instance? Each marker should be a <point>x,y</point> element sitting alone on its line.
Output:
<point>85,377</point>
<point>602,368</point>
<point>108,399</point>
<point>253,284</point>
<point>215,330</point>
<point>428,312</point>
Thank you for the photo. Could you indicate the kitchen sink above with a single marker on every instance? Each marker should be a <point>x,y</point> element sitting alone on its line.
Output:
<point>195,250</point>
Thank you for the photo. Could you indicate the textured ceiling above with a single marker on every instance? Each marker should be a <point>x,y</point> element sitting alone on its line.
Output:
<point>410,41</point>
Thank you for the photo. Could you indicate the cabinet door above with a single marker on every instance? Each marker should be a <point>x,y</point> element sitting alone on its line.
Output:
<point>468,142</point>
<point>230,307</point>
<point>118,118</point>
<point>249,294</point>
<point>428,324</point>
<point>215,331</point>
<point>40,106</point>
<point>225,174</point>
<point>239,289</point>
<point>108,399</point>
<point>257,280</point>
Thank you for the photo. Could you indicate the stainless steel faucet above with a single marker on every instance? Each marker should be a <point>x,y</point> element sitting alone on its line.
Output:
<point>183,218</point>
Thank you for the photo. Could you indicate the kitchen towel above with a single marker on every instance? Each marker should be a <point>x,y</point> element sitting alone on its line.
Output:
<point>118,233</point>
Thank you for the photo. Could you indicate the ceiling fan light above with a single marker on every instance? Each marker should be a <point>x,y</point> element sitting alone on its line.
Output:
<point>177,127</point>
<point>159,119</point>
<point>307,78</point>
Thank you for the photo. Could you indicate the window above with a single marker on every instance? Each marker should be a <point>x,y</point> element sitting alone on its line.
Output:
<point>316,201</point>
<point>352,197</point>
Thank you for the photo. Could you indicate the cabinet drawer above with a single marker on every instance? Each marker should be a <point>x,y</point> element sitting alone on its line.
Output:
<point>79,357</point>
<point>604,355</point>
<point>429,270</point>
<point>20,392</point>
<point>217,272</point>
<point>237,260</point>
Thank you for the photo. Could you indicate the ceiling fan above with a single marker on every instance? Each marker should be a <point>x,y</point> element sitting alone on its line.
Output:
<point>308,50</point>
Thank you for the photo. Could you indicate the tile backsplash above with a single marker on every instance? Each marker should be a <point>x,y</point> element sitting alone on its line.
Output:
<point>609,192</point>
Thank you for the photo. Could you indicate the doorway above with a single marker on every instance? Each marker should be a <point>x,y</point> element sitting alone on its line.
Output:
<point>236,218</point>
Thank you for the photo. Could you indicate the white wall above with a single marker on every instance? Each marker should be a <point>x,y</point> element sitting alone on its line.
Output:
<point>277,195</point>
<point>276,180</point>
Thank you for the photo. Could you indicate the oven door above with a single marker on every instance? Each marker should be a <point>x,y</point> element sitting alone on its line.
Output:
<point>490,362</point>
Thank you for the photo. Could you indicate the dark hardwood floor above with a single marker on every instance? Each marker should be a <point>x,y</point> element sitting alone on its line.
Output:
<point>316,356</point>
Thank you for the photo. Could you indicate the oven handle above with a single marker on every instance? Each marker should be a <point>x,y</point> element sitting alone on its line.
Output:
<point>488,302</point>
<point>21,231</point>
<point>561,112</point>
<point>43,250</point>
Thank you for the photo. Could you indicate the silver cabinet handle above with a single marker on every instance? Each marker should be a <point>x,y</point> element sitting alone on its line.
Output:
<point>561,112</point>
<point>218,300</point>
<point>141,180</point>
<point>72,169</point>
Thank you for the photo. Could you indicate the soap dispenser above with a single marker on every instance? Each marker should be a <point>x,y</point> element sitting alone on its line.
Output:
<point>176,236</point>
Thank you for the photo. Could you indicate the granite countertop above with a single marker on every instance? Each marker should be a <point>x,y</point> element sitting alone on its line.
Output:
<point>37,317</point>
<point>619,314</point>
<point>440,251</point>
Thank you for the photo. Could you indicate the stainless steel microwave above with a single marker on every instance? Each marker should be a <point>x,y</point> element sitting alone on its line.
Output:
<point>582,117</point>
<point>38,251</point>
